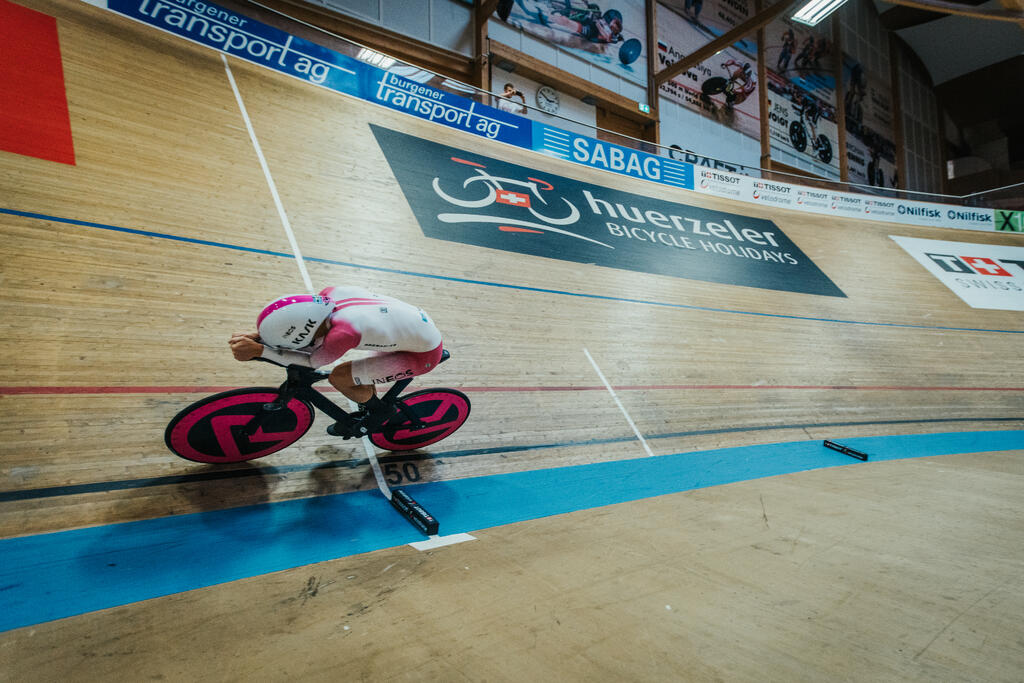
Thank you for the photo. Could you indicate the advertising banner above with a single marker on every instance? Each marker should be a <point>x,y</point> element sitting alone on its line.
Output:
<point>410,90</point>
<point>983,275</point>
<point>723,88</point>
<point>678,153</point>
<point>802,96</point>
<point>870,150</point>
<point>464,197</point>
<point>234,34</point>
<point>612,36</point>
<point>608,156</point>
<point>1009,221</point>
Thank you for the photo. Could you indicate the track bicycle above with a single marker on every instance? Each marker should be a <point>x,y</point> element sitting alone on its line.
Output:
<point>245,424</point>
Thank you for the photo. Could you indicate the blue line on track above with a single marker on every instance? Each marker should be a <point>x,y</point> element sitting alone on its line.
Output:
<point>280,470</point>
<point>53,576</point>
<point>483,283</point>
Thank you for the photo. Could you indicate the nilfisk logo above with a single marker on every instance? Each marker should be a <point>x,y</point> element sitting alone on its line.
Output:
<point>478,201</point>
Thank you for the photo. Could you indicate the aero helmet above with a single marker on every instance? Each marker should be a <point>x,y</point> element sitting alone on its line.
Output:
<point>291,321</point>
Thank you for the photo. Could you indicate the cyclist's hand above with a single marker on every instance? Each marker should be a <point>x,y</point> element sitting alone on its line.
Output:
<point>245,347</point>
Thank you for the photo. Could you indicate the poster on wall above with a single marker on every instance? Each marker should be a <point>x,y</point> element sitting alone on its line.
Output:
<point>723,88</point>
<point>801,65</point>
<point>674,151</point>
<point>611,35</point>
<point>870,150</point>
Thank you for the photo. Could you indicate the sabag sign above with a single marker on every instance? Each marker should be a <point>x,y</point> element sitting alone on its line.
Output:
<point>983,275</point>
<point>460,196</point>
<point>609,157</point>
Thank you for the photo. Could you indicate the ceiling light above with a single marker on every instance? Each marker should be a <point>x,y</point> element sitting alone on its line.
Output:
<point>375,58</point>
<point>813,12</point>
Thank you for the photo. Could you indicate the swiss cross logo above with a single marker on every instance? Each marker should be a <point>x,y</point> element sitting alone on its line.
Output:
<point>985,266</point>
<point>973,265</point>
<point>512,198</point>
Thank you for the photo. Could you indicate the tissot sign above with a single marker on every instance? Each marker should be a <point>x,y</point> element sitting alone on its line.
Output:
<point>464,197</point>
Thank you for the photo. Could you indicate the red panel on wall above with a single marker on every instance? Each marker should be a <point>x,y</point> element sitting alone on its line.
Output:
<point>33,106</point>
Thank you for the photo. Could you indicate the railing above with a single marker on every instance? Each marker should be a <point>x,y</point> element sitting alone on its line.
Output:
<point>1009,197</point>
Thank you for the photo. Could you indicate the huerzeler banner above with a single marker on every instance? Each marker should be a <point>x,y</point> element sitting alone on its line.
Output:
<point>461,196</point>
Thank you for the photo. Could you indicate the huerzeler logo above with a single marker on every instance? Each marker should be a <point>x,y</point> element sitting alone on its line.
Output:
<point>498,190</point>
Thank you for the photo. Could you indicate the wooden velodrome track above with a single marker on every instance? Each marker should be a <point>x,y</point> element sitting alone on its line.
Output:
<point>136,264</point>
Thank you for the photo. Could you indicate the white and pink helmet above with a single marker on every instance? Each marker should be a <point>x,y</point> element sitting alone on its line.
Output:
<point>291,321</point>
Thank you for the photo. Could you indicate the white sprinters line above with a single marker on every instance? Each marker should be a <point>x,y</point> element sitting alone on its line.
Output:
<point>643,441</point>
<point>440,541</point>
<point>372,457</point>
<point>270,180</point>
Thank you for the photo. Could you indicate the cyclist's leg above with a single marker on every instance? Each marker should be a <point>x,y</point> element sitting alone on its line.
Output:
<point>342,380</point>
<point>356,379</point>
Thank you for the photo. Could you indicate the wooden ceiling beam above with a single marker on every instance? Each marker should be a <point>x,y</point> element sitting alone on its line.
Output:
<point>484,9</point>
<point>1015,15</point>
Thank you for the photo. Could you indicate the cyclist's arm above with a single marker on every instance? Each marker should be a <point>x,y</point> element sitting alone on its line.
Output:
<point>286,356</point>
<point>340,339</point>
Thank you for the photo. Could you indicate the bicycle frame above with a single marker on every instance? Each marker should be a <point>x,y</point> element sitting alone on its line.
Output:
<point>299,384</point>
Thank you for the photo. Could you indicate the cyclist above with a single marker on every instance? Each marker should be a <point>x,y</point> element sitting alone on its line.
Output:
<point>808,109</point>
<point>586,22</point>
<point>788,46</point>
<point>803,60</point>
<point>741,78</point>
<point>317,330</point>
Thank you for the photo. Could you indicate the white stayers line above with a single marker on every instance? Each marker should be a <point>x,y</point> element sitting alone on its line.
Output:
<point>270,181</point>
<point>643,441</point>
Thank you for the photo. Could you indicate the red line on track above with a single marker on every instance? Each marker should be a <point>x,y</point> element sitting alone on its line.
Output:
<point>73,390</point>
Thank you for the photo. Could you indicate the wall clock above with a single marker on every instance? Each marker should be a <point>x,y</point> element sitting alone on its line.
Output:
<point>547,99</point>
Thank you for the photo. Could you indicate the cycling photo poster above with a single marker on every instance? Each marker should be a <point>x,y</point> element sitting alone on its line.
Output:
<point>611,34</point>
<point>801,63</point>
<point>870,150</point>
<point>724,87</point>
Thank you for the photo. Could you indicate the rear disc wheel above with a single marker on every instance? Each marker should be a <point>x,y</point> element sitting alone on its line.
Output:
<point>442,411</point>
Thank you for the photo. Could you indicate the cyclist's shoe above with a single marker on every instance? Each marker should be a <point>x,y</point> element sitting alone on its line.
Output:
<point>376,414</point>
<point>342,429</point>
<point>371,416</point>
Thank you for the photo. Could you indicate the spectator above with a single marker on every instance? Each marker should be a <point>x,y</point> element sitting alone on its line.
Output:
<point>507,100</point>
